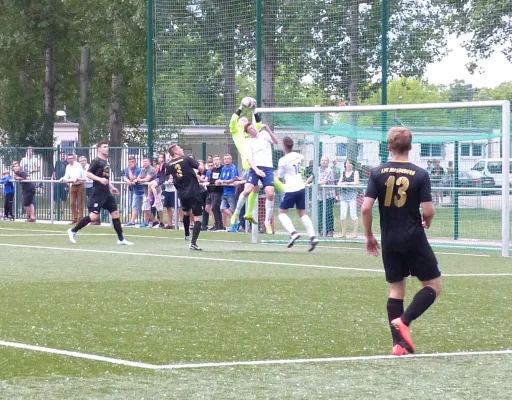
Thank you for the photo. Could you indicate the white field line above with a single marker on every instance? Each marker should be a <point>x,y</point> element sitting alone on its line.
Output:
<point>77,355</point>
<point>236,261</point>
<point>136,364</point>
<point>231,241</point>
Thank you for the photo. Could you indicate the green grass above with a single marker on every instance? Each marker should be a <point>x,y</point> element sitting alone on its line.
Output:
<point>164,310</point>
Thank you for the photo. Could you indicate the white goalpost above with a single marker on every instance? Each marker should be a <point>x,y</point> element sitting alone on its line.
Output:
<point>455,136</point>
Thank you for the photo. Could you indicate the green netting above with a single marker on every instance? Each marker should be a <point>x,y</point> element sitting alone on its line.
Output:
<point>429,126</point>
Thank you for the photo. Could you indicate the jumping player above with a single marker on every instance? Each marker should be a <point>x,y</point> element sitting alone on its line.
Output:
<point>102,196</point>
<point>401,188</point>
<point>186,183</point>
<point>289,169</point>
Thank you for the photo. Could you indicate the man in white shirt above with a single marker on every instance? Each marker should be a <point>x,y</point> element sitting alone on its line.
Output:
<point>289,169</point>
<point>258,152</point>
<point>32,164</point>
<point>74,177</point>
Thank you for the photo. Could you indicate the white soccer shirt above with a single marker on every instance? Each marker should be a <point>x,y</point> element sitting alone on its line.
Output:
<point>289,168</point>
<point>259,149</point>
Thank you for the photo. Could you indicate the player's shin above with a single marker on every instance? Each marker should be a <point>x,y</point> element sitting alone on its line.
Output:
<point>269,211</point>
<point>308,225</point>
<point>286,222</point>
<point>82,224</point>
<point>240,203</point>
<point>420,303</point>
<point>186,225</point>
<point>117,227</point>
<point>251,203</point>
<point>196,231</point>
<point>279,186</point>
<point>395,308</point>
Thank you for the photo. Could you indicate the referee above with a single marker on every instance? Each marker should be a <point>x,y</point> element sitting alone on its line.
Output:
<point>401,188</point>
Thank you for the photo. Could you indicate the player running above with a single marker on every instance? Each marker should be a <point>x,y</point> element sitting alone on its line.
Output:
<point>102,196</point>
<point>240,138</point>
<point>186,183</point>
<point>401,188</point>
<point>289,169</point>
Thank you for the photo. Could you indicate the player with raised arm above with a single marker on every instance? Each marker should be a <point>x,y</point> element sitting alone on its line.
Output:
<point>102,196</point>
<point>240,138</point>
<point>183,170</point>
<point>289,169</point>
<point>401,188</point>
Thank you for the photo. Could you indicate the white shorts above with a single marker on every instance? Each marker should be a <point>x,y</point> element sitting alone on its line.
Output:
<point>345,205</point>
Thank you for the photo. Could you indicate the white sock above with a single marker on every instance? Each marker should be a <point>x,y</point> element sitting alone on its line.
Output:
<point>287,222</point>
<point>306,221</point>
<point>269,211</point>
<point>240,203</point>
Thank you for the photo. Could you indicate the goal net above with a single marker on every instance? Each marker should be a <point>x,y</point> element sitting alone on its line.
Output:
<point>465,147</point>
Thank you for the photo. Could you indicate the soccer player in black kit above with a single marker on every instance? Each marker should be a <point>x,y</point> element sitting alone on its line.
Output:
<point>189,192</point>
<point>102,196</point>
<point>401,188</point>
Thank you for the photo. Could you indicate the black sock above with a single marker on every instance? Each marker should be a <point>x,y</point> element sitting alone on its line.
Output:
<point>186,224</point>
<point>206,218</point>
<point>395,310</point>
<point>117,226</point>
<point>196,231</point>
<point>421,302</point>
<point>82,224</point>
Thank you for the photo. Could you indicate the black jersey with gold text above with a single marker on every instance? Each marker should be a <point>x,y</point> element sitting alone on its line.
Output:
<point>184,176</point>
<point>400,188</point>
<point>100,168</point>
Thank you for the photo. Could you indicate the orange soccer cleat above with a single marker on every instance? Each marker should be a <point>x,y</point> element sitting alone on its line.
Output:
<point>398,350</point>
<point>405,334</point>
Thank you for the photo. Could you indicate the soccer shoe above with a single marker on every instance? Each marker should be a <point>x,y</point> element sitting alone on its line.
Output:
<point>187,238</point>
<point>234,218</point>
<point>194,247</point>
<point>404,332</point>
<point>313,243</point>
<point>250,218</point>
<point>130,224</point>
<point>72,236</point>
<point>398,350</point>
<point>268,229</point>
<point>143,225</point>
<point>124,242</point>
<point>295,236</point>
<point>234,227</point>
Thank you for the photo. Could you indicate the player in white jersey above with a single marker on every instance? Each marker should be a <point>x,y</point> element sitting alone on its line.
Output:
<point>289,168</point>
<point>258,153</point>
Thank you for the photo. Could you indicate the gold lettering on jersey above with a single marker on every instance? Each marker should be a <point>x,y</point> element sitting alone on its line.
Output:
<point>393,170</point>
<point>106,171</point>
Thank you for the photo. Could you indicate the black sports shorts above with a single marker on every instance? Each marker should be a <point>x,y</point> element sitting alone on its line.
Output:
<point>194,204</point>
<point>420,262</point>
<point>101,200</point>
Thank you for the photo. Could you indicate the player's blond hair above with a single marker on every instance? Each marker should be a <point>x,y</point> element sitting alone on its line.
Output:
<point>399,140</point>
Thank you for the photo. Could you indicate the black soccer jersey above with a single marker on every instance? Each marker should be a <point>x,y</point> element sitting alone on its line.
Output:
<point>184,177</point>
<point>100,168</point>
<point>400,188</point>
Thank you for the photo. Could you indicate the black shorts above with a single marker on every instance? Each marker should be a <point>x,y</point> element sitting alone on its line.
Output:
<point>28,197</point>
<point>420,262</point>
<point>101,200</point>
<point>169,199</point>
<point>193,204</point>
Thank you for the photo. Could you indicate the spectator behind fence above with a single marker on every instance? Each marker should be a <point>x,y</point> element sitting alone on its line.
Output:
<point>88,182</point>
<point>348,198</point>
<point>437,179</point>
<point>76,181</point>
<point>136,190</point>
<point>146,175</point>
<point>28,190</point>
<point>227,176</point>
<point>216,194</point>
<point>32,164</point>
<point>325,196</point>
<point>7,181</point>
<point>208,204</point>
<point>169,201</point>
<point>61,191</point>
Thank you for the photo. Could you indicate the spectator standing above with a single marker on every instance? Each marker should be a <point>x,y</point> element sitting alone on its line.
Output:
<point>146,175</point>
<point>32,164</point>
<point>74,178</point>
<point>7,181</point>
<point>208,203</point>
<point>348,198</point>
<point>61,191</point>
<point>326,196</point>
<point>136,190</point>
<point>28,190</point>
<point>88,182</point>
<point>170,202</point>
<point>437,179</point>
<point>216,194</point>
<point>227,176</point>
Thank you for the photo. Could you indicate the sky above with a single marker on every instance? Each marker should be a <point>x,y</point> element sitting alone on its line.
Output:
<point>490,72</point>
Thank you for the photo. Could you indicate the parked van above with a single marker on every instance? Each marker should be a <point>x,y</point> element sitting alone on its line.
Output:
<point>491,167</point>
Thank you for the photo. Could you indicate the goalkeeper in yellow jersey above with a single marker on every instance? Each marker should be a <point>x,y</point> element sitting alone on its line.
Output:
<point>240,137</point>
